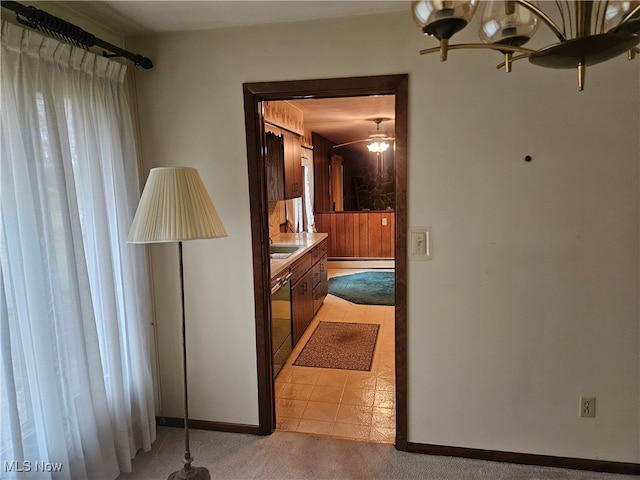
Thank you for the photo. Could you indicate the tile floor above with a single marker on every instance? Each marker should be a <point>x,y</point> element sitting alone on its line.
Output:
<point>342,403</point>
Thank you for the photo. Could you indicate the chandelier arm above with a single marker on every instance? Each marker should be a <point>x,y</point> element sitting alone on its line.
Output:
<point>626,18</point>
<point>598,16</point>
<point>492,46</point>
<point>561,12</point>
<point>544,17</point>
<point>513,59</point>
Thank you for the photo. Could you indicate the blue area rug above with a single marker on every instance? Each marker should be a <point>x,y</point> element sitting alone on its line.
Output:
<point>366,288</point>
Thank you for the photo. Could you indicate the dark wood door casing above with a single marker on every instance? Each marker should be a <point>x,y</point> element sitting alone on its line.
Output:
<point>254,95</point>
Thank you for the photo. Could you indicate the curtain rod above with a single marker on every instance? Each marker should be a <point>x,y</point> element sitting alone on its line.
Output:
<point>52,25</point>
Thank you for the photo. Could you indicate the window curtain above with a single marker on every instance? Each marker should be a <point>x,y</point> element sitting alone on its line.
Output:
<point>76,390</point>
<point>307,199</point>
<point>293,213</point>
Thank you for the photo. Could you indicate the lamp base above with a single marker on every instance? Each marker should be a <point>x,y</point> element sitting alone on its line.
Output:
<point>194,473</point>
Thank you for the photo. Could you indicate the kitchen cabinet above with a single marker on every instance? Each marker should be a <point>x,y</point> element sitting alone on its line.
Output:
<point>293,183</point>
<point>308,288</point>
<point>301,306</point>
<point>301,295</point>
<point>319,269</point>
<point>275,167</point>
<point>283,165</point>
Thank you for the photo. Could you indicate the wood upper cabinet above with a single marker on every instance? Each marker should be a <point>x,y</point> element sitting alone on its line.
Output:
<point>275,167</point>
<point>283,165</point>
<point>293,183</point>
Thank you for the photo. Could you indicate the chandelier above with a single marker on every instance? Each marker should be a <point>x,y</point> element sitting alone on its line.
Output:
<point>588,32</point>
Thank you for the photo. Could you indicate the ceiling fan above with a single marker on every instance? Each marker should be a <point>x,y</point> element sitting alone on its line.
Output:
<point>377,140</point>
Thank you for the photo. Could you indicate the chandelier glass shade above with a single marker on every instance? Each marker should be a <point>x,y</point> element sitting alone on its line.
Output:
<point>507,23</point>
<point>588,32</point>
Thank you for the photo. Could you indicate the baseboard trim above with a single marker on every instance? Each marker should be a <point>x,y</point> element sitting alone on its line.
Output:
<point>442,450</point>
<point>350,263</point>
<point>526,459</point>
<point>207,425</point>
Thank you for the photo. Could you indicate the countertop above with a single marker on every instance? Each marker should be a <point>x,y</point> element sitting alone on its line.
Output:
<point>307,240</point>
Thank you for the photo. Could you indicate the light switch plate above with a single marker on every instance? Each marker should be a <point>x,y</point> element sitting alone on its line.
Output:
<point>420,243</point>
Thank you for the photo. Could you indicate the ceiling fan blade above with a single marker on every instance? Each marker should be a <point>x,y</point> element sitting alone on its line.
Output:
<point>351,143</point>
<point>366,140</point>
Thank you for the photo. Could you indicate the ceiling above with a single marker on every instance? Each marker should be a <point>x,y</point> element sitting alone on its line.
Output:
<point>143,17</point>
<point>343,120</point>
<point>339,120</point>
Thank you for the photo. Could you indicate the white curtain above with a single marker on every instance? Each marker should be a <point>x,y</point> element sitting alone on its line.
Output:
<point>293,212</point>
<point>307,199</point>
<point>76,391</point>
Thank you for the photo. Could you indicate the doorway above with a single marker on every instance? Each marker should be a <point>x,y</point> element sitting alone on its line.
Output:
<point>254,95</point>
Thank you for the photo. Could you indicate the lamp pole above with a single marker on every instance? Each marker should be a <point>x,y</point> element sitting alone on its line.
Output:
<point>187,452</point>
<point>187,472</point>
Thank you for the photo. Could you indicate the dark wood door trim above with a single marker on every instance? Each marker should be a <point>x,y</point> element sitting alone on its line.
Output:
<point>254,95</point>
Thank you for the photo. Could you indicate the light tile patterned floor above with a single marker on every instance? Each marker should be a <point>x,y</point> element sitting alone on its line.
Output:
<point>342,403</point>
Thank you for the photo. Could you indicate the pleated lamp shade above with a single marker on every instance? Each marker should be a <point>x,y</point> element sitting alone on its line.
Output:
<point>175,206</point>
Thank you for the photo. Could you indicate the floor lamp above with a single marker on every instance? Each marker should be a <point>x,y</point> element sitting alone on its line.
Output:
<point>174,207</point>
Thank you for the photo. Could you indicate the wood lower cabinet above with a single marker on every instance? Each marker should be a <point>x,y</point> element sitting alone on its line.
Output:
<point>308,288</point>
<point>320,281</point>
<point>301,305</point>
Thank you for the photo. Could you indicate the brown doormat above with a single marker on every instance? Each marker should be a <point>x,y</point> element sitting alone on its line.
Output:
<point>347,346</point>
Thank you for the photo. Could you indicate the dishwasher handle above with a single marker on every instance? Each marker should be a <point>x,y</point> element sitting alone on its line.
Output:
<point>280,282</point>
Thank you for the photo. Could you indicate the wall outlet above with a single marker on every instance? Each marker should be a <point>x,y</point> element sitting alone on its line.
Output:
<point>588,407</point>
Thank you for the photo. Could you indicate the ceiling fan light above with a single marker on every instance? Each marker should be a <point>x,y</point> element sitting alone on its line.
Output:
<point>378,147</point>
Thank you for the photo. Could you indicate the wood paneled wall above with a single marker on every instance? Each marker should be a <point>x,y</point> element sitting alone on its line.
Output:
<point>358,234</point>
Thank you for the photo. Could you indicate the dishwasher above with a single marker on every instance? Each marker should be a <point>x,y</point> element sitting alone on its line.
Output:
<point>281,338</point>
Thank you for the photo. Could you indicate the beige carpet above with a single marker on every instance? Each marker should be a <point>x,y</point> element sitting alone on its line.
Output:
<point>285,456</point>
<point>341,345</point>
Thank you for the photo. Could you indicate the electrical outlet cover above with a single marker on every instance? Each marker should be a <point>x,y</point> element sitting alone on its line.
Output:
<point>588,407</point>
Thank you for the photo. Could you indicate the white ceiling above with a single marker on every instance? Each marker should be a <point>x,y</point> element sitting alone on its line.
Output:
<point>339,120</point>
<point>343,120</point>
<point>143,17</point>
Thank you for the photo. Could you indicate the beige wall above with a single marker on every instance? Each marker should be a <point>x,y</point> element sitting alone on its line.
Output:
<point>531,298</point>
